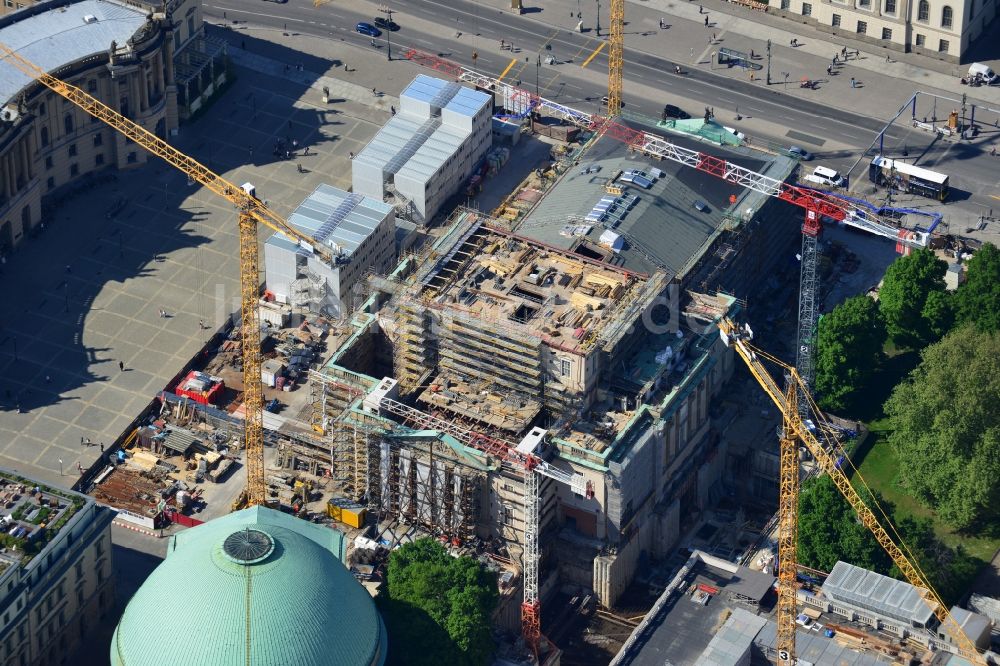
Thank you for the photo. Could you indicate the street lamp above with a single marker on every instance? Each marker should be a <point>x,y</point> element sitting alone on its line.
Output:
<point>60,467</point>
<point>598,19</point>
<point>385,9</point>
<point>538,65</point>
<point>785,74</point>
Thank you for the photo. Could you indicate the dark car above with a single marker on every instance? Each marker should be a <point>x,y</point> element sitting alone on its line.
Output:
<point>671,111</point>
<point>386,24</point>
<point>368,29</point>
<point>700,206</point>
<point>800,153</point>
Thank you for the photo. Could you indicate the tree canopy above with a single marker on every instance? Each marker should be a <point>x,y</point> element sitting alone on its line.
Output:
<point>849,346</point>
<point>977,301</point>
<point>903,298</point>
<point>946,428</point>
<point>438,607</point>
<point>829,530</point>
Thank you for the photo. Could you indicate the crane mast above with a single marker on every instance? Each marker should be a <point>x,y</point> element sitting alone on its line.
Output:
<point>251,212</point>
<point>616,55</point>
<point>823,452</point>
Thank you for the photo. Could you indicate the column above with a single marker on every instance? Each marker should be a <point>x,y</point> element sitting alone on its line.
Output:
<point>143,75</point>
<point>159,73</point>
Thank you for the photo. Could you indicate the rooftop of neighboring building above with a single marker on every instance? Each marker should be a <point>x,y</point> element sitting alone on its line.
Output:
<point>562,298</point>
<point>247,572</point>
<point>507,411</point>
<point>338,219</point>
<point>667,225</point>
<point>697,621</point>
<point>55,34</point>
<point>31,516</point>
<point>872,591</point>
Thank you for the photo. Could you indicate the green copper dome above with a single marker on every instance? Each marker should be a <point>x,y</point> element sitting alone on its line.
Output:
<point>256,577</point>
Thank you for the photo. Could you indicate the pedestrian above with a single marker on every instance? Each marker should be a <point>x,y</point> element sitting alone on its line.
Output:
<point>661,24</point>
<point>352,155</point>
<point>69,269</point>
<point>374,92</point>
<point>843,52</point>
<point>751,76</point>
<point>102,448</point>
<point>713,36</point>
<point>887,58</point>
<point>834,58</point>
<point>392,110</point>
<point>345,67</point>
<point>993,151</point>
<point>305,151</point>
<point>373,41</point>
<point>224,15</point>
<point>852,82</point>
<point>706,21</point>
<point>201,324</point>
<point>751,54</point>
<point>298,167</point>
<point>121,366</point>
<point>701,9</point>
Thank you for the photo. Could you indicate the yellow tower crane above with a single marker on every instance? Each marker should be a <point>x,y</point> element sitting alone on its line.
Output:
<point>616,44</point>
<point>251,211</point>
<point>820,441</point>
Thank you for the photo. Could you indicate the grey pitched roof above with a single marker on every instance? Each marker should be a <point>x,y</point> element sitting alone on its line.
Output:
<point>60,36</point>
<point>338,219</point>
<point>877,593</point>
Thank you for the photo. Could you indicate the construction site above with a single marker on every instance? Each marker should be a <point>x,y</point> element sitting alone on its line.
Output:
<point>547,386</point>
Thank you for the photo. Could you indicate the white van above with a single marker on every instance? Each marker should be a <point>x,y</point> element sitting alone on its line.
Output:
<point>979,69</point>
<point>830,175</point>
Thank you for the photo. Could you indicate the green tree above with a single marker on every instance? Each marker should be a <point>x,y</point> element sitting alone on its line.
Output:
<point>903,297</point>
<point>438,607</point>
<point>829,530</point>
<point>977,301</point>
<point>946,428</point>
<point>849,344</point>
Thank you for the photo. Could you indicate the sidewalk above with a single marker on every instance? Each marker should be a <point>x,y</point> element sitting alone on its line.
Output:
<point>882,88</point>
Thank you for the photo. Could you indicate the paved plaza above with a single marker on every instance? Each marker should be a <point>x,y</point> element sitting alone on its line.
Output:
<point>85,295</point>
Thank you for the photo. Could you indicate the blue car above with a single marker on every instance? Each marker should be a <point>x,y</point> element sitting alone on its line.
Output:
<point>368,29</point>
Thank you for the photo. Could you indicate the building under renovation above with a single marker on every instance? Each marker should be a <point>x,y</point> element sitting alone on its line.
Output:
<point>605,345</point>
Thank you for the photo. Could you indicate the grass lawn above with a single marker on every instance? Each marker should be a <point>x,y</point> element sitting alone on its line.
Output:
<point>879,470</point>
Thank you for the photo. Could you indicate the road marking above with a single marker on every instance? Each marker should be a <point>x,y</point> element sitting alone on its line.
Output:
<point>594,54</point>
<point>993,196</point>
<point>504,73</point>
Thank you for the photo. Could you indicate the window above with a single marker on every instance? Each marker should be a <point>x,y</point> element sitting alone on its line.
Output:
<point>123,106</point>
<point>45,136</point>
<point>98,139</point>
<point>48,162</point>
<point>92,86</point>
<point>41,109</point>
<point>68,122</point>
<point>862,27</point>
<point>865,4</point>
<point>946,17</point>
<point>131,158</point>
<point>566,367</point>
<point>886,33</point>
<point>98,159</point>
<point>943,46</point>
<point>921,40</point>
<point>836,20</point>
<point>924,11</point>
<point>807,9</point>
<point>177,41</point>
<point>785,4</point>
<point>190,27</point>
<point>72,150</point>
<point>890,6</point>
<point>74,169</point>
<point>8,3</point>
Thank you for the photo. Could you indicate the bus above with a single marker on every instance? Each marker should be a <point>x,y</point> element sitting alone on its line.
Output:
<point>907,177</point>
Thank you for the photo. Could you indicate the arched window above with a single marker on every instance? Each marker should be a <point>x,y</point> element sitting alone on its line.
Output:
<point>45,136</point>
<point>68,120</point>
<point>946,15</point>
<point>924,11</point>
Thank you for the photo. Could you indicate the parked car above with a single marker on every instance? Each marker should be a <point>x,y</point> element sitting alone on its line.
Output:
<point>368,29</point>
<point>700,206</point>
<point>800,153</point>
<point>671,111</point>
<point>386,24</point>
<point>604,101</point>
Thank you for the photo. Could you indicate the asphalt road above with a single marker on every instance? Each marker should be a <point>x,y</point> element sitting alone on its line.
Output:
<point>453,28</point>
